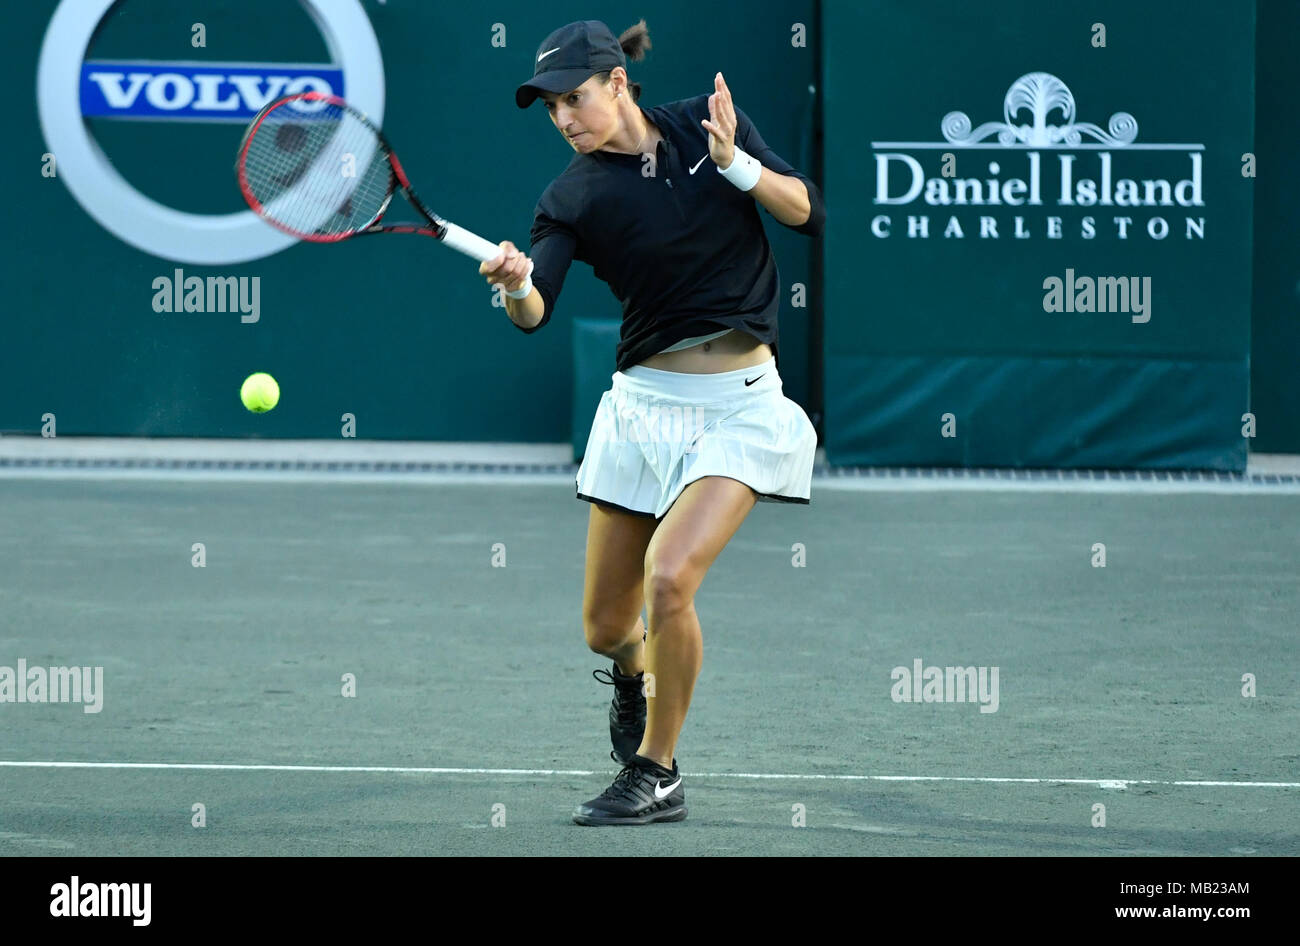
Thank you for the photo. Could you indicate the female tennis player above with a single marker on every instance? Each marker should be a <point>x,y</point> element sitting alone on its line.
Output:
<point>663,204</point>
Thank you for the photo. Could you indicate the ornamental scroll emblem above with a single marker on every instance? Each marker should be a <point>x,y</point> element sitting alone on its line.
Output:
<point>1039,94</point>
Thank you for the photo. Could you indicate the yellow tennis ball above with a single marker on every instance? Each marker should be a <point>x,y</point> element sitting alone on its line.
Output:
<point>259,392</point>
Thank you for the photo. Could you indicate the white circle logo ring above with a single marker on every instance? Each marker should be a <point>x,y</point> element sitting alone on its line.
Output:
<point>121,209</point>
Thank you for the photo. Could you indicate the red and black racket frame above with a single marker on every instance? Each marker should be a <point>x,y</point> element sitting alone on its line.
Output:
<point>397,178</point>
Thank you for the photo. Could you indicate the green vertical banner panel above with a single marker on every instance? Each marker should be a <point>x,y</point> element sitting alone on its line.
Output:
<point>1038,243</point>
<point>1275,339</point>
<point>592,341</point>
<point>120,164</point>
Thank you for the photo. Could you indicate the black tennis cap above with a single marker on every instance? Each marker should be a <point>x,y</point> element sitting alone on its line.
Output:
<point>569,57</point>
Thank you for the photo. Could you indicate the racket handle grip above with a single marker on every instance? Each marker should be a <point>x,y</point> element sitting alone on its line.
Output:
<point>458,238</point>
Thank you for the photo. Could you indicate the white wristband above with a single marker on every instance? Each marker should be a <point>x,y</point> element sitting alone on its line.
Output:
<point>744,170</point>
<point>526,289</point>
<point>523,291</point>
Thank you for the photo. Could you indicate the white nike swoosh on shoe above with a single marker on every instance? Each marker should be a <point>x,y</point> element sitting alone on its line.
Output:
<point>698,163</point>
<point>662,793</point>
<point>548,52</point>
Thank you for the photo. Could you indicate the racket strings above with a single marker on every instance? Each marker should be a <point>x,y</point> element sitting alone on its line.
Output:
<point>320,173</point>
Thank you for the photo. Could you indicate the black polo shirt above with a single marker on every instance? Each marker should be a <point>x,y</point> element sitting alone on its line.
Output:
<point>681,247</point>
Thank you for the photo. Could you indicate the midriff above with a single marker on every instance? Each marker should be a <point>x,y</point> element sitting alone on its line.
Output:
<point>731,352</point>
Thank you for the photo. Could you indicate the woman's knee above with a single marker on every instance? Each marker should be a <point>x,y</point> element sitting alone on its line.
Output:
<point>669,585</point>
<point>605,636</point>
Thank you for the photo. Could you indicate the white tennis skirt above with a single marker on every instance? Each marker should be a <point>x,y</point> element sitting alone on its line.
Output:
<point>656,432</point>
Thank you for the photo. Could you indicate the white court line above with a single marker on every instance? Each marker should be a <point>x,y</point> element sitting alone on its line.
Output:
<point>292,477</point>
<point>106,454</point>
<point>427,770</point>
<point>819,483</point>
<point>944,485</point>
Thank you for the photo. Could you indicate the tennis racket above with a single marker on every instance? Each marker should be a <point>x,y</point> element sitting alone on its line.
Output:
<point>313,166</point>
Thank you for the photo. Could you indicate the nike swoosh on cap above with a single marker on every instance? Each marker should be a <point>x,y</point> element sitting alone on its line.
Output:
<point>662,793</point>
<point>548,52</point>
<point>698,163</point>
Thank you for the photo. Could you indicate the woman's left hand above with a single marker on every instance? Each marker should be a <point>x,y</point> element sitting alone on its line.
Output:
<point>722,129</point>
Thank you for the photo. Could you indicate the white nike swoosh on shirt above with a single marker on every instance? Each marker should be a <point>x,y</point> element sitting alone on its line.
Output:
<point>698,163</point>
<point>662,793</point>
<point>548,52</point>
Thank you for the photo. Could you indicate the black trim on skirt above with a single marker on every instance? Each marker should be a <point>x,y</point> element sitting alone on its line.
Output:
<point>608,504</point>
<point>769,497</point>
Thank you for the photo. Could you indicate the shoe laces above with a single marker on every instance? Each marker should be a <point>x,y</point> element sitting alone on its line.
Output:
<point>627,696</point>
<point>623,782</point>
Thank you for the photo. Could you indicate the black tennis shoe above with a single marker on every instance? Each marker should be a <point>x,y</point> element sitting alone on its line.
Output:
<point>626,713</point>
<point>643,793</point>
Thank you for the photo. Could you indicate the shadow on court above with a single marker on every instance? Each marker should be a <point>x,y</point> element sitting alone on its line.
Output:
<point>1130,673</point>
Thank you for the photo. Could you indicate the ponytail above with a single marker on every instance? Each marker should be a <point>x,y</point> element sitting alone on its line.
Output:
<point>634,40</point>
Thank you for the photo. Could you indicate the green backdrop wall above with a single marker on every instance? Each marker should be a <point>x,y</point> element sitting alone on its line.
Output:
<point>402,334</point>
<point>395,330</point>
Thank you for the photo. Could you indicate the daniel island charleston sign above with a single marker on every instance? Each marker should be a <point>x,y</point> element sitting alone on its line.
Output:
<point>931,181</point>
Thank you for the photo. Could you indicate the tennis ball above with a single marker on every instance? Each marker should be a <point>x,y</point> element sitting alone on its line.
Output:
<point>259,392</point>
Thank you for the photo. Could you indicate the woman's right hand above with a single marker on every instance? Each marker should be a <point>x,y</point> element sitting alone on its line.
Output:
<point>510,269</point>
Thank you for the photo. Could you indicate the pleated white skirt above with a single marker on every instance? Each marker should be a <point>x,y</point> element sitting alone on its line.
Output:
<point>656,432</point>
